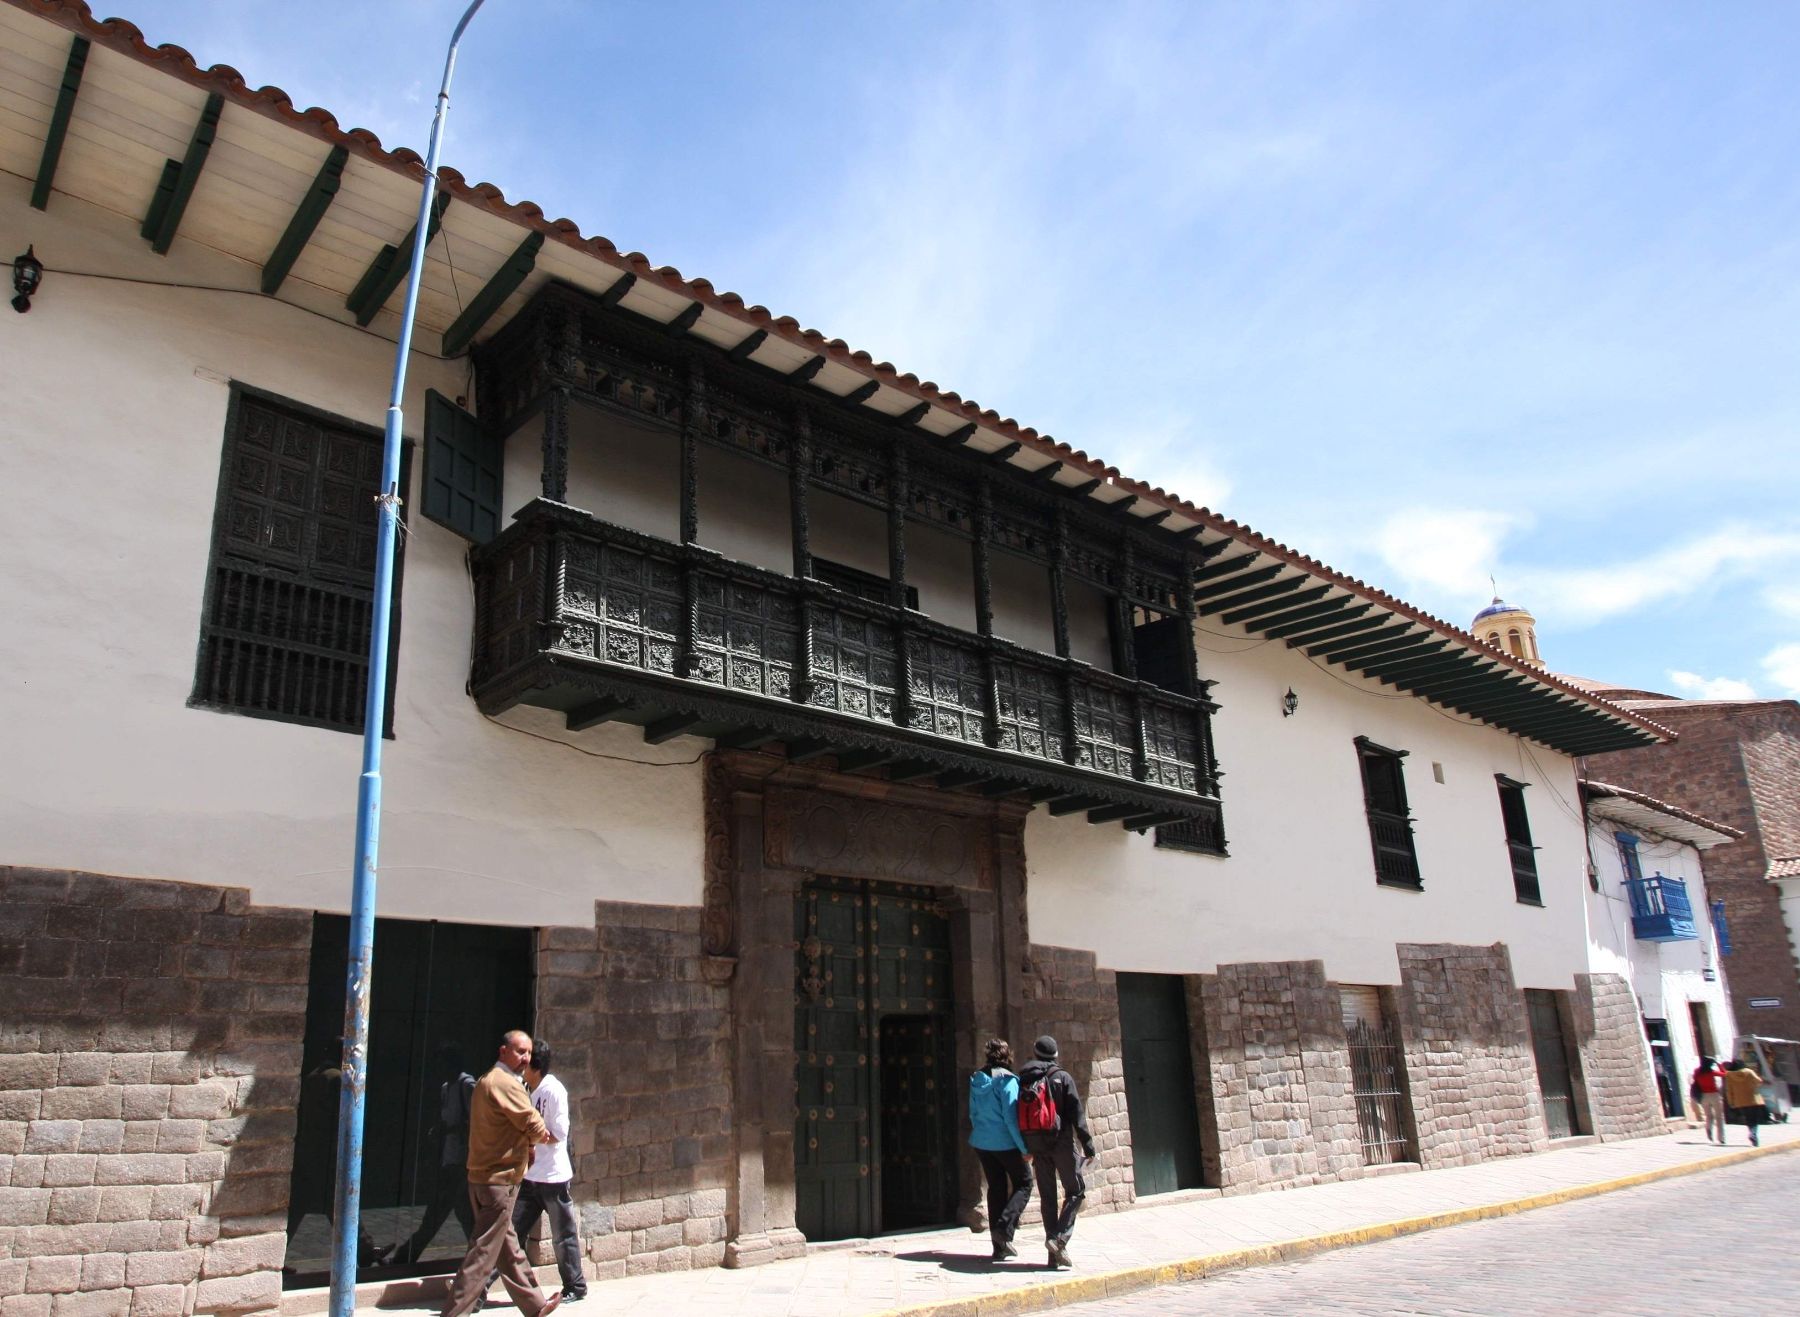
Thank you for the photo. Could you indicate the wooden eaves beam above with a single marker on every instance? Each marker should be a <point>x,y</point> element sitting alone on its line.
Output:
<point>741,350</point>
<point>1332,650</point>
<point>176,187</point>
<point>390,266</point>
<point>689,317</point>
<point>1314,617</point>
<point>1248,616</point>
<point>306,218</point>
<point>1226,566</point>
<point>1396,647</point>
<point>59,123</point>
<point>806,370</point>
<point>482,306</point>
<point>616,290</point>
<point>861,393</point>
<point>1333,630</point>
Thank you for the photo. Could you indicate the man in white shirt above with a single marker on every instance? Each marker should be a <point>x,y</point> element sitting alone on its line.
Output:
<point>546,1186</point>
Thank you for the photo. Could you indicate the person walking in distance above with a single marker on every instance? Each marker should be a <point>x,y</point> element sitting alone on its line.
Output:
<point>999,1145</point>
<point>503,1126</point>
<point>1708,1089</point>
<point>546,1187</point>
<point>1744,1099</point>
<point>1051,1119</point>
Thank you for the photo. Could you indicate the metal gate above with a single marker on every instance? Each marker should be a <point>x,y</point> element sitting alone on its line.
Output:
<point>1555,1074</point>
<point>875,1128</point>
<point>1377,1077</point>
<point>1159,1083</point>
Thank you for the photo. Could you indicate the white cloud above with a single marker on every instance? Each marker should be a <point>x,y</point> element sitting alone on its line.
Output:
<point>1593,594</point>
<point>1450,551</point>
<point>1693,685</point>
<point>1783,599</point>
<point>1781,666</point>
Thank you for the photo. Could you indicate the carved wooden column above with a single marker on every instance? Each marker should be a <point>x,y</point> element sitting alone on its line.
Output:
<point>984,609</point>
<point>1126,637</point>
<point>693,419</point>
<point>899,498</point>
<point>1059,621</point>
<point>562,352</point>
<point>800,458</point>
<point>1184,596</point>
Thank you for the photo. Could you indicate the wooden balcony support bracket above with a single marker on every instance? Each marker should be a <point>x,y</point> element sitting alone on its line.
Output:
<point>855,761</point>
<point>802,749</point>
<point>861,393</point>
<point>1045,474</point>
<point>615,292</point>
<point>668,727</point>
<point>59,123</point>
<point>595,712</point>
<point>962,777</point>
<point>913,415</point>
<point>689,317</point>
<point>1073,804</point>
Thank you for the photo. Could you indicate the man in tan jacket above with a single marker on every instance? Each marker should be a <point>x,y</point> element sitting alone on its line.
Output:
<point>502,1127</point>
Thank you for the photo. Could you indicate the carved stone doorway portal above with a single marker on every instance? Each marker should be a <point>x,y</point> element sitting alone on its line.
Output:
<point>844,1104</point>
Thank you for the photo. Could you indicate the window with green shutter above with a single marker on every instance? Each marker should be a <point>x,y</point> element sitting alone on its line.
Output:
<point>462,471</point>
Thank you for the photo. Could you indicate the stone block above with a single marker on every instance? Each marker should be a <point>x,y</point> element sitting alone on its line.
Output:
<point>90,1103</point>
<point>24,1207</point>
<point>50,1136</point>
<point>20,1105</point>
<point>236,1293</point>
<point>53,1275</point>
<point>237,1257</point>
<point>72,1207</point>
<point>102,1303</point>
<point>637,1216</point>
<point>103,1271</point>
<point>141,1168</point>
<point>162,1268</point>
<point>159,1301</point>
<point>70,1168</point>
<point>146,1101</point>
<point>25,1305</point>
<point>27,1070</point>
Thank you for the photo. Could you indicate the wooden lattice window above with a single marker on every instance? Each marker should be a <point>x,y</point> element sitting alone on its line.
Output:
<point>284,632</point>
<point>1518,840</point>
<point>1390,825</point>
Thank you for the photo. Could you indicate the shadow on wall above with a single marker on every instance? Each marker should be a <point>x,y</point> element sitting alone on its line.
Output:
<point>149,1073</point>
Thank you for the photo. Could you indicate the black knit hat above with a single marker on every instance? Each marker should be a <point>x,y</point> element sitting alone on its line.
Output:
<point>1045,1048</point>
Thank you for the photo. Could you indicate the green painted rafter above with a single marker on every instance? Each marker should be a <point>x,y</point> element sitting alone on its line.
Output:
<point>390,266</point>
<point>481,309</point>
<point>307,215</point>
<point>59,123</point>
<point>176,186</point>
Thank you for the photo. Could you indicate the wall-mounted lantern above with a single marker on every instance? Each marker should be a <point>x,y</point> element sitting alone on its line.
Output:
<point>1289,703</point>
<point>28,273</point>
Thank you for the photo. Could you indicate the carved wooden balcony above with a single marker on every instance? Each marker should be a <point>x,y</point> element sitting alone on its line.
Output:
<point>603,623</point>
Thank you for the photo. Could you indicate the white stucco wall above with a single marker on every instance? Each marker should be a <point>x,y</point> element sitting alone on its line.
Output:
<point>116,410</point>
<point>1299,882</point>
<point>1668,977</point>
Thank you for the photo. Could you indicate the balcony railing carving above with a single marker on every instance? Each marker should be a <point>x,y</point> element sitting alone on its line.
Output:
<point>571,607</point>
<point>1660,910</point>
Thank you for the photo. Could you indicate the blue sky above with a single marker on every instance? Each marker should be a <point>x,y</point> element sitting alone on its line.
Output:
<point>1430,291</point>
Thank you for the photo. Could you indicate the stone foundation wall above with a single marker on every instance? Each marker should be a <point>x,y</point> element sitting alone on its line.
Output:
<point>150,1038</point>
<point>1469,1064</point>
<point>1274,1073</point>
<point>1070,998</point>
<point>1615,1062</point>
<point>642,1039</point>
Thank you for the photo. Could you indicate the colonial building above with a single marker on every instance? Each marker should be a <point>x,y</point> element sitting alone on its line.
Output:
<point>1652,922</point>
<point>769,728</point>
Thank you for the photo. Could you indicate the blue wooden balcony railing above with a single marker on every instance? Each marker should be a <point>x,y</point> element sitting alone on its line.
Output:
<point>1660,910</point>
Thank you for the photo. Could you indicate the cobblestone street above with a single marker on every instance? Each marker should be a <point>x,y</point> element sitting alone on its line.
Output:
<point>1719,1241</point>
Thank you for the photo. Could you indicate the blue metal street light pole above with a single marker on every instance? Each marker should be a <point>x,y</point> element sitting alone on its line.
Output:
<point>347,1218</point>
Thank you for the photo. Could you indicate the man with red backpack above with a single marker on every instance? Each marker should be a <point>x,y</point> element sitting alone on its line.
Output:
<point>1051,1119</point>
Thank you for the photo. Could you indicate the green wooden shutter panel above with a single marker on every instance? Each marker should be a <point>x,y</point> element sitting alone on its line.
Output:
<point>462,471</point>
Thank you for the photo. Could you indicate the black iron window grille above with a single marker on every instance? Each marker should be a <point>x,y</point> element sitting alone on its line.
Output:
<point>1518,840</point>
<point>284,630</point>
<point>1390,826</point>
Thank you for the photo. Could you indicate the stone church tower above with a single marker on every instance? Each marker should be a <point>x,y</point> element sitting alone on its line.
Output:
<point>1510,628</point>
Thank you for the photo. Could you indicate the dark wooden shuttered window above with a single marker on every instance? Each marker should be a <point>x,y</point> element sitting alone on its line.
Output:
<point>285,628</point>
<point>462,471</point>
<point>1518,840</point>
<point>1390,826</point>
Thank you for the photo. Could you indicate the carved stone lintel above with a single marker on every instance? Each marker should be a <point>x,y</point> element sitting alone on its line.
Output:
<point>873,839</point>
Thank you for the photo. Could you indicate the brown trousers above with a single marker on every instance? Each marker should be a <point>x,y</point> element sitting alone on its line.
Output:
<point>493,1244</point>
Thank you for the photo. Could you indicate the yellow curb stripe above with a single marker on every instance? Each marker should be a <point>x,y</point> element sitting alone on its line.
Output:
<point>1111,1284</point>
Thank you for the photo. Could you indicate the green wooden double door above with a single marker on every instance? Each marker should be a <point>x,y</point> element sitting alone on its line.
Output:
<point>875,1082</point>
<point>1159,1083</point>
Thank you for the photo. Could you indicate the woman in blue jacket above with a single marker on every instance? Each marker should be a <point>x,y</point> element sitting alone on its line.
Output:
<point>994,1134</point>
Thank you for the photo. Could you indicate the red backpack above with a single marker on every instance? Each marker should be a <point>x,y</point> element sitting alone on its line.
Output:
<point>1037,1107</point>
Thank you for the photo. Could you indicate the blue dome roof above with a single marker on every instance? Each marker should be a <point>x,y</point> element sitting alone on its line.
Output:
<point>1498,606</point>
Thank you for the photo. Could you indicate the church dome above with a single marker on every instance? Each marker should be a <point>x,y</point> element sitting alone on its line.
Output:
<point>1508,628</point>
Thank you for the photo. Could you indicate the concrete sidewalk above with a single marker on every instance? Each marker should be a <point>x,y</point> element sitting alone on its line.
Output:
<point>947,1272</point>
